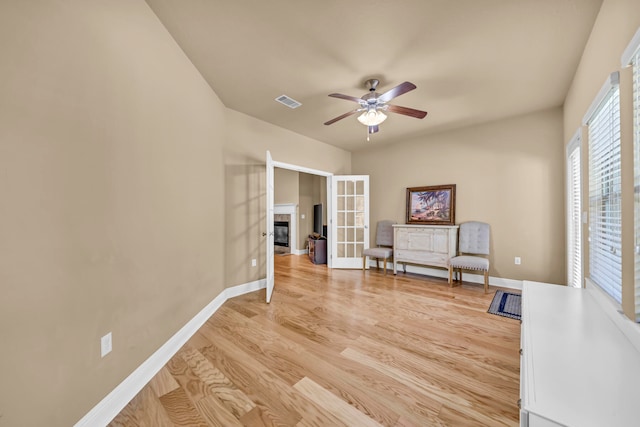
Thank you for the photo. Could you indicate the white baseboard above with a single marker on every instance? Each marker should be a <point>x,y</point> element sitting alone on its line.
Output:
<point>443,273</point>
<point>238,290</point>
<point>296,252</point>
<point>107,409</point>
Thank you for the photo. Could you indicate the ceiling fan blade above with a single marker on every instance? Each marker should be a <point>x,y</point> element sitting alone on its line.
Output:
<point>373,129</point>
<point>347,97</point>
<point>396,91</point>
<point>418,114</point>
<point>350,113</point>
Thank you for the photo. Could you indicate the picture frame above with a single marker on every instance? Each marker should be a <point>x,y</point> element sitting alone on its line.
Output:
<point>435,205</point>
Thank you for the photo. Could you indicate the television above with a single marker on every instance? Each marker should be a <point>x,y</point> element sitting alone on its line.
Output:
<point>317,219</point>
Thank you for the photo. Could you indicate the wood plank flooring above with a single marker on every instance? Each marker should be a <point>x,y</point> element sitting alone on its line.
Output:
<point>342,348</point>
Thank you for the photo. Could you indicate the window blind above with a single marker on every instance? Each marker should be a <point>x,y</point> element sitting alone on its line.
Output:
<point>574,232</point>
<point>605,215</point>
<point>631,56</point>
<point>636,145</point>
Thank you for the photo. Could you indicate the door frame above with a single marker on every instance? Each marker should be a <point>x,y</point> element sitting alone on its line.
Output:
<point>289,166</point>
<point>310,171</point>
<point>282,165</point>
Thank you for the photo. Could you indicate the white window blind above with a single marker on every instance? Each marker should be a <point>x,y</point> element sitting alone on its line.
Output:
<point>574,209</point>
<point>631,56</point>
<point>636,145</point>
<point>605,215</point>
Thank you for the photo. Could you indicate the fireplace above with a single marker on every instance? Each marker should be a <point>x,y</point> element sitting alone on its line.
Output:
<point>284,221</point>
<point>281,233</point>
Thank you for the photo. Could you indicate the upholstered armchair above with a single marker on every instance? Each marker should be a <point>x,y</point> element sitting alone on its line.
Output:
<point>384,245</point>
<point>473,247</point>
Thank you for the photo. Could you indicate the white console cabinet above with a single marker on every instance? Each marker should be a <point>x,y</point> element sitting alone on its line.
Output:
<point>580,363</point>
<point>430,245</point>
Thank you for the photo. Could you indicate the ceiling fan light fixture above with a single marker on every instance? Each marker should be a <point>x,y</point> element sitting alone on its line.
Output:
<point>372,118</point>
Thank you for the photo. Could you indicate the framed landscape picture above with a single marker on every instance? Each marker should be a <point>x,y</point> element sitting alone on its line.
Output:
<point>434,205</point>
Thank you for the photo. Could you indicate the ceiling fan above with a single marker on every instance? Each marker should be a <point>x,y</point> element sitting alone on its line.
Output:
<point>373,105</point>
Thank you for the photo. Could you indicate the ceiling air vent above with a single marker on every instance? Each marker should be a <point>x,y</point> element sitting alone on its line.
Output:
<point>289,102</point>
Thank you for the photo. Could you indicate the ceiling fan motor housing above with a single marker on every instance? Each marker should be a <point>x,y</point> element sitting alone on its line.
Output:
<point>371,98</point>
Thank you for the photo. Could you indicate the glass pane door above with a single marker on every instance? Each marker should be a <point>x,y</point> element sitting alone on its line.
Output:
<point>350,222</point>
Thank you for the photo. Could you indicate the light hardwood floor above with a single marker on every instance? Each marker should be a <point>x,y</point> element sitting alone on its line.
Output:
<point>342,348</point>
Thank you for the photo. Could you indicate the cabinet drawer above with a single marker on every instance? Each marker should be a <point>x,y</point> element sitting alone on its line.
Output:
<point>423,239</point>
<point>421,257</point>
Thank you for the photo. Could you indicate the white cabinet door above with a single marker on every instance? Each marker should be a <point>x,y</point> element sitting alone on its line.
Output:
<point>441,241</point>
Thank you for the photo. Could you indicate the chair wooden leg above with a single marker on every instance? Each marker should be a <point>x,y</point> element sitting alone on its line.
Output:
<point>486,282</point>
<point>385,266</point>
<point>450,276</point>
<point>364,262</point>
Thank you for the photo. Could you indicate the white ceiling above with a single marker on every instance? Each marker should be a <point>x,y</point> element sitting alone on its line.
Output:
<point>471,60</point>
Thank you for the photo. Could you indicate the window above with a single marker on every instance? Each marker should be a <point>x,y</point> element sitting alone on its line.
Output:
<point>631,56</point>
<point>574,209</point>
<point>605,214</point>
<point>636,186</point>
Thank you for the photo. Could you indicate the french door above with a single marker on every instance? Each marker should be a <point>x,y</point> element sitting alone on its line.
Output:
<point>349,210</point>
<point>269,241</point>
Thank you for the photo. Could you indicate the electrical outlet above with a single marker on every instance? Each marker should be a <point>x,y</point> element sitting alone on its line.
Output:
<point>518,261</point>
<point>105,345</point>
<point>302,216</point>
<point>254,262</point>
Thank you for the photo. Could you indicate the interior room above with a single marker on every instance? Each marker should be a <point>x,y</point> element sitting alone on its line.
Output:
<point>299,194</point>
<point>135,225</point>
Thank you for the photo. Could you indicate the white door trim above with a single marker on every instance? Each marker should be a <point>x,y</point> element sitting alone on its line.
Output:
<point>303,169</point>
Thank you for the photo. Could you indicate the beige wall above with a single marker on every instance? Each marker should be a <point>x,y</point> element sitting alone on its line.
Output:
<point>286,186</point>
<point>303,190</point>
<point>616,24</point>
<point>313,190</point>
<point>319,195</point>
<point>507,173</point>
<point>247,141</point>
<point>305,225</point>
<point>111,178</point>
